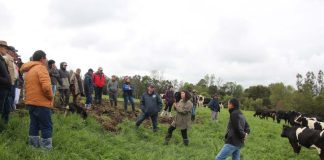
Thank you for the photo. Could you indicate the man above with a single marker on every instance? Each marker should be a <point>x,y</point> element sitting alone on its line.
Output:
<point>151,105</point>
<point>214,107</point>
<point>194,102</point>
<point>237,132</point>
<point>54,74</point>
<point>64,85</point>
<point>39,100</point>
<point>5,84</point>
<point>88,88</point>
<point>99,82</point>
<point>128,94</point>
<point>113,90</point>
<point>76,86</point>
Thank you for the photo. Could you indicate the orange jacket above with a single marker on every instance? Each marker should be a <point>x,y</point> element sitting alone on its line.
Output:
<point>37,85</point>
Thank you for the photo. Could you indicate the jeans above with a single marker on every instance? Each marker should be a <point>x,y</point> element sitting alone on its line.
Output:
<point>143,116</point>
<point>64,96</point>
<point>4,105</point>
<point>113,99</point>
<point>88,98</point>
<point>229,150</point>
<point>184,132</point>
<point>168,106</point>
<point>40,120</point>
<point>193,112</point>
<point>214,115</point>
<point>131,100</point>
<point>54,90</point>
<point>98,95</point>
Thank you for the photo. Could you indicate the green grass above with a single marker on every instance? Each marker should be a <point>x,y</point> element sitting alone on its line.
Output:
<point>77,139</point>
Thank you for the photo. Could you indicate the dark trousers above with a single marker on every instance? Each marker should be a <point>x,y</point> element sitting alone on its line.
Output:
<point>88,98</point>
<point>98,95</point>
<point>4,105</point>
<point>40,120</point>
<point>113,99</point>
<point>75,98</point>
<point>183,132</point>
<point>131,100</point>
<point>168,106</point>
<point>64,96</point>
<point>143,116</point>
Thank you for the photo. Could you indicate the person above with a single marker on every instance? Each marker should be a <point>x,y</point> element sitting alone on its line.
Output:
<point>5,84</point>
<point>54,75</point>
<point>88,88</point>
<point>237,132</point>
<point>76,86</point>
<point>194,102</point>
<point>182,118</point>
<point>39,100</point>
<point>151,105</point>
<point>113,91</point>
<point>169,100</point>
<point>214,107</point>
<point>64,85</point>
<point>99,82</point>
<point>128,94</point>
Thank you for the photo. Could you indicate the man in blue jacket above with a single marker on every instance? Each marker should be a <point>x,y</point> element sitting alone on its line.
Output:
<point>214,107</point>
<point>151,105</point>
<point>88,88</point>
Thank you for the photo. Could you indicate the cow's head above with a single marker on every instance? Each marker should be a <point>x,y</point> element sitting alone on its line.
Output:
<point>285,131</point>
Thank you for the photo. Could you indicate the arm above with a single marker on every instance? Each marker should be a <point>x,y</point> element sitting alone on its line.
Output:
<point>45,82</point>
<point>143,103</point>
<point>186,109</point>
<point>159,102</point>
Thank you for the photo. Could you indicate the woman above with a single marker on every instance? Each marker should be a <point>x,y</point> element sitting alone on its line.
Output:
<point>128,94</point>
<point>76,86</point>
<point>169,100</point>
<point>182,119</point>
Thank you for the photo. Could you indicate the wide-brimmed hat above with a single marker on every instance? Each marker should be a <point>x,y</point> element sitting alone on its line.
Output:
<point>12,48</point>
<point>4,44</point>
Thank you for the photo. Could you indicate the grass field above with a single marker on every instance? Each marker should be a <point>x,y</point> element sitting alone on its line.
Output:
<point>75,138</point>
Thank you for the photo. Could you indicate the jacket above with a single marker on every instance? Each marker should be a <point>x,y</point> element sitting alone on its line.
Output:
<point>113,87</point>
<point>5,81</point>
<point>99,80</point>
<point>169,96</point>
<point>237,128</point>
<point>127,89</point>
<point>214,105</point>
<point>76,84</point>
<point>182,119</point>
<point>88,83</point>
<point>38,86</point>
<point>55,75</point>
<point>151,103</point>
<point>64,82</point>
<point>11,68</point>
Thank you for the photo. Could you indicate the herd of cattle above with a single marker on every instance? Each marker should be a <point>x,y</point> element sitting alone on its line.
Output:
<point>304,130</point>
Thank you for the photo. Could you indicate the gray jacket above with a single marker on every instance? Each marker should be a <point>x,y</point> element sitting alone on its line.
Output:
<point>151,103</point>
<point>54,74</point>
<point>113,87</point>
<point>237,128</point>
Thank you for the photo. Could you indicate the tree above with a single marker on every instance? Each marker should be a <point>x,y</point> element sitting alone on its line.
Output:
<point>258,91</point>
<point>299,82</point>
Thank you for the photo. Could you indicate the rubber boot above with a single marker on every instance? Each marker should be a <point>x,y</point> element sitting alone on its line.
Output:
<point>34,141</point>
<point>46,143</point>
<point>186,142</point>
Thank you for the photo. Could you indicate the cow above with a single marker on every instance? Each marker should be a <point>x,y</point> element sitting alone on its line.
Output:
<point>282,115</point>
<point>306,137</point>
<point>206,101</point>
<point>311,123</point>
<point>258,113</point>
<point>292,116</point>
<point>200,100</point>
<point>268,114</point>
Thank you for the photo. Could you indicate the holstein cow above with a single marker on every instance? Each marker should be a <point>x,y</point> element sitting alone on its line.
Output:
<point>311,123</point>
<point>306,137</point>
<point>206,101</point>
<point>200,100</point>
<point>282,115</point>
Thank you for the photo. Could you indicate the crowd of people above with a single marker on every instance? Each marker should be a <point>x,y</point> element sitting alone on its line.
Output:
<point>39,79</point>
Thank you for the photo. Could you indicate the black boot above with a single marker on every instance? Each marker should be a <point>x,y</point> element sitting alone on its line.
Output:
<point>186,142</point>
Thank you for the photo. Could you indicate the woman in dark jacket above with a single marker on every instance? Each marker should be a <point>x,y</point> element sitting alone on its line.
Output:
<point>237,132</point>
<point>182,119</point>
<point>88,88</point>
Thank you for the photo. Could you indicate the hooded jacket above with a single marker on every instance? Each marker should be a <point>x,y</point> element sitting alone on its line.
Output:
<point>64,82</point>
<point>5,81</point>
<point>37,85</point>
<point>99,79</point>
<point>88,83</point>
<point>151,103</point>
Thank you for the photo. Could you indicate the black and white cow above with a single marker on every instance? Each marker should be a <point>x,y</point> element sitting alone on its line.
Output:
<point>282,115</point>
<point>311,123</point>
<point>306,137</point>
<point>200,100</point>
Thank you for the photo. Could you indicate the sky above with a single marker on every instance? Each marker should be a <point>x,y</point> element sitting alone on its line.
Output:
<point>249,42</point>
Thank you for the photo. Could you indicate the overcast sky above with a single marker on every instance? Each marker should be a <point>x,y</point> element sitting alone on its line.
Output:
<point>248,42</point>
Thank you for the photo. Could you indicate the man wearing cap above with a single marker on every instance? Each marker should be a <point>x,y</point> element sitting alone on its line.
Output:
<point>151,105</point>
<point>99,82</point>
<point>88,88</point>
<point>54,74</point>
<point>5,83</point>
<point>64,85</point>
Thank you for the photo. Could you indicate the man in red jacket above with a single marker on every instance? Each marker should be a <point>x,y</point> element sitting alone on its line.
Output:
<point>99,82</point>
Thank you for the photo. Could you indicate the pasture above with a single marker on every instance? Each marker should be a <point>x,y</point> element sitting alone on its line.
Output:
<point>75,138</point>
